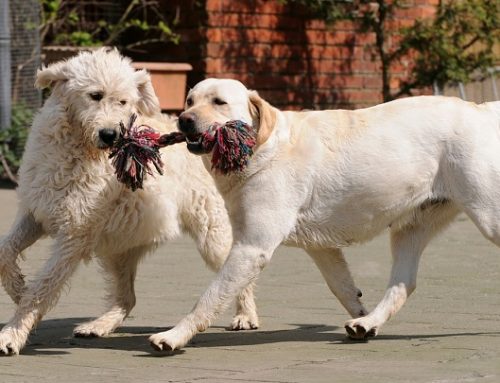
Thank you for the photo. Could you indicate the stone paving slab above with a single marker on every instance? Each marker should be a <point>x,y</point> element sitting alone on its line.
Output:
<point>449,330</point>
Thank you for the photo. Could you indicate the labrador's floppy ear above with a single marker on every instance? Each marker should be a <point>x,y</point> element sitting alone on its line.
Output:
<point>263,115</point>
<point>48,76</point>
<point>148,104</point>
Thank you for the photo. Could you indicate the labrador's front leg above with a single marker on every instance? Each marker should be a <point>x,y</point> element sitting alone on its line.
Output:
<point>242,267</point>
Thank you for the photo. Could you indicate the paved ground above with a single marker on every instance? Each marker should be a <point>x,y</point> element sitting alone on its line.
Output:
<point>449,331</point>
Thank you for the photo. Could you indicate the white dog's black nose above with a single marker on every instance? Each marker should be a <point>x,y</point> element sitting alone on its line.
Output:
<point>187,123</point>
<point>108,136</point>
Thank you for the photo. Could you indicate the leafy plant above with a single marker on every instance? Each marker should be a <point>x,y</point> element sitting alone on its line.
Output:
<point>457,44</point>
<point>12,141</point>
<point>452,46</point>
<point>126,24</point>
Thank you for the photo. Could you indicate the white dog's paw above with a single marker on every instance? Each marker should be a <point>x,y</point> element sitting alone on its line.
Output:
<point>168,340</point>
<point>243,322</point>
<point>10,344</point>
<point>93,329</point>
<point>360,329</point>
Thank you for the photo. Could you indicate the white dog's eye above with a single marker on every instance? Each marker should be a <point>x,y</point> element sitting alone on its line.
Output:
<point>218,101</point>
<point>189,102</point>
<point>123,102</point>
<point>96,96</point>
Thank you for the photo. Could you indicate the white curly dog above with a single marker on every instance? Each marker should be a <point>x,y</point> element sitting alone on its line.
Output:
<point>322,180</point>
<point>68,190</point>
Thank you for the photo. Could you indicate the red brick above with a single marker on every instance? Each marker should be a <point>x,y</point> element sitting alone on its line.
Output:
<point>372,82</point>
<point>365,66</point>
<point>215,65</point>
<point>214,35</point>
<point>396,24</point>
<point>341,25</point>
<point>239,20</point>
<point>329,37</point>
<point>427,2</point>
<point>335,52</point>
<point>428,12</point>
<point>369,96</point>
<point>337,82</point>
<point>294,61</point>
<point>315,24</point>
<point>261,35</point>
<point>232,50</point>
<point>364,39</point>
<point>248,6</point>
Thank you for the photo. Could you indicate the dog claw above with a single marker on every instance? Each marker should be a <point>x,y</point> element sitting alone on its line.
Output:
<point>350,332</point>
<point>359,332</point>
<point>85,335</point>
<point>163,346</point>
<point>372,333</point>
<point>243,322</point>
<point>8,351</point>
<point>240,327</point>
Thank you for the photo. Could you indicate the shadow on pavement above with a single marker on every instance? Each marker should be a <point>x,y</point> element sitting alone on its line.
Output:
<point>6,184</point>
<point>54,337</point>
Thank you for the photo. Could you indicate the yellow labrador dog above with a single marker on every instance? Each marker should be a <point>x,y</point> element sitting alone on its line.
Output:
<point>322,180</point>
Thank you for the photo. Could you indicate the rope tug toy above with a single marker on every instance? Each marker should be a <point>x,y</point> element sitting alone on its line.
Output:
<point>138,146</point>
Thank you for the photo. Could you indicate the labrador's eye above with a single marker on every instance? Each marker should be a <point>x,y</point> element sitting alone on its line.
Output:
<point>123,102</point>
<point>96,96</point>
<point>189,102</point>
<point>218,101</point>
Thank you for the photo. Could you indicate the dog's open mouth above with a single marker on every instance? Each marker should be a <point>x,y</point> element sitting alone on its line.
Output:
<point>195,144</point>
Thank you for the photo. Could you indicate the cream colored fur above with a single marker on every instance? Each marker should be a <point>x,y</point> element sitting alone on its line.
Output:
<point>68,190</point>
<point>323,180</point>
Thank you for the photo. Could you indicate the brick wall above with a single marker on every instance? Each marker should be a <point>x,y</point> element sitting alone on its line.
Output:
<point>293,61</point>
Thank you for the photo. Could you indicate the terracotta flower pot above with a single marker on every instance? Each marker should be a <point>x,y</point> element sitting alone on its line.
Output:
<point>169,82</point>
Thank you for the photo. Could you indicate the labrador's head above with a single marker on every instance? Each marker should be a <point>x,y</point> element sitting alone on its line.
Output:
<point>218,101</point>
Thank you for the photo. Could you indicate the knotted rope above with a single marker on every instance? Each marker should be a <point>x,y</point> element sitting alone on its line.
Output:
<point>137,147</point>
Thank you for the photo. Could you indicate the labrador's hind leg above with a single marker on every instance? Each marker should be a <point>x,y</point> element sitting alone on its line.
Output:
<point>407,243</point>
<point>335,270</point>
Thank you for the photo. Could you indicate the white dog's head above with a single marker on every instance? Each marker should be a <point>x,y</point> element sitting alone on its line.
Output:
<point>99,89</point>
<point>218,101</point>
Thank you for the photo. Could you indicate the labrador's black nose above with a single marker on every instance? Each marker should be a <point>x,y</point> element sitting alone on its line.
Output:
<point>108,136</point>
<point>187,124</point>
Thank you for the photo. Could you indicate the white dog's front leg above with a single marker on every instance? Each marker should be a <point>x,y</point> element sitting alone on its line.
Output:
<point>23,234</point>
<point>241,268</point>
<point>41,294</point>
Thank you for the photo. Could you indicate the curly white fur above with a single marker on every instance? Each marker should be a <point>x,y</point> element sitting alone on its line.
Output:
<point>68,190</point>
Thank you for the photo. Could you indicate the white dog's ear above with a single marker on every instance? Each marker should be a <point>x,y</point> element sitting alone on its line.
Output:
<point>148,104</point>
<point>48,76</point>
<point>263,115</point>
